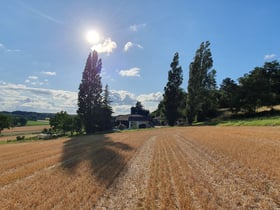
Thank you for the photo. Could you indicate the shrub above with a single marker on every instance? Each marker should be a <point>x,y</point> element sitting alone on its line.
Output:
<point>19,138</point>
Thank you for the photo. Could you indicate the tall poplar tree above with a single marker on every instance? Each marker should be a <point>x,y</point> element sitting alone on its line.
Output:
<point>90,94</point>
<point>107,110</point>
<point>201,85</point>
<point>173,94</point>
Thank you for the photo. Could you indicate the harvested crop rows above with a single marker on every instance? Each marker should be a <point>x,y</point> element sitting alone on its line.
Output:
<point>167,168</point>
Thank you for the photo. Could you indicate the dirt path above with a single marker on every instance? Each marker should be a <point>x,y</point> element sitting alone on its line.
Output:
<point>128,190</point>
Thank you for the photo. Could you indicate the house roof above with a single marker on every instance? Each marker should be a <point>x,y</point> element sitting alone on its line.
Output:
<point>137,117</point>
<point>122,117</point>
<point>133,117</point>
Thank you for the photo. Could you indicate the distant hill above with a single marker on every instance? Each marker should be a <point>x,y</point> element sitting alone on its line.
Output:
<point>29,115</point>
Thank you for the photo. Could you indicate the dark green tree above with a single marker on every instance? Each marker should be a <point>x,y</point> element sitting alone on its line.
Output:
<point>18,121</point>
<point>107,111</point>
<point>4,122</point>
<point>173,94</point>
<point>202,98</point>
<point>260,87</point>
<point>139,109</point>
<point>90,95</point>
<point>77,125</point>
<point>273,74</point>
<point>61,121</point>
<point>229,95</point>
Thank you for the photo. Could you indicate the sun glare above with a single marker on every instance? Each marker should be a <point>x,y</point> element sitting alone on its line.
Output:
<point>93,37</point>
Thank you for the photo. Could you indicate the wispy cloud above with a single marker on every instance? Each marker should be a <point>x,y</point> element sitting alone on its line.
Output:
<point>107,46</point>
<point>269,56</point>
<point>5,49</point>
<point>35,81</point>
<point>41,14</point>
<point>129,45</point>
<point>49,73</point>
<point>133,72</point>
<point>33,77</point>
<point>137,27</point>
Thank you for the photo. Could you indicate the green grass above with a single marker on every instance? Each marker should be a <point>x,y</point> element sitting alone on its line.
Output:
<point>263,121</point>
<point>38,122</point>
<point>254,121</point>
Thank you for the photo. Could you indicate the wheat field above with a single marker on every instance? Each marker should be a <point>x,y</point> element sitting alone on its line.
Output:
<point>166,168</point>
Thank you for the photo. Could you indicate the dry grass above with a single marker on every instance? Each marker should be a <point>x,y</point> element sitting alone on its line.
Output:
<point>27,131</point>
<point>62,174</point>
<point>181,168</point>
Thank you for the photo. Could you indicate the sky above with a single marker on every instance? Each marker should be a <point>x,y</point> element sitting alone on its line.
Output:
<point>43,46</point>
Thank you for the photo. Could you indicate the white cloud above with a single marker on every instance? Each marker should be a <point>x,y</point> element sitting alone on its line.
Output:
<point>123,100</point>
<point>151,97</point>
<point>49,73</point>
<point>106,47</point>
<point>133,72</point>
<point>21,97</point>
<point>269,56</point>
<point>137,27</point>
<point>128,45</point>
<point>33,77</point>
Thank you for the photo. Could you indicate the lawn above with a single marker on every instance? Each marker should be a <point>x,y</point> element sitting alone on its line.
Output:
<point>37,122</point>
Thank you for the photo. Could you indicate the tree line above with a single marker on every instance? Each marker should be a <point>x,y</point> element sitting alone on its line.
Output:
<point>260,87</point>
<point>199,102</point>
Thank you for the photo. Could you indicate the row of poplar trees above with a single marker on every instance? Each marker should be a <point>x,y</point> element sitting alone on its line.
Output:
<point>94,108</point>
<point>199,102</point>
<point>260,87</point>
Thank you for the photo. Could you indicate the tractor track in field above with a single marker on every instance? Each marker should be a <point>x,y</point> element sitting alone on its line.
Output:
<point>128,189</point>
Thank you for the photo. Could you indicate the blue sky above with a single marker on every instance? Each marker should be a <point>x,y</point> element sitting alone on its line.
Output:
<point>43,48</point>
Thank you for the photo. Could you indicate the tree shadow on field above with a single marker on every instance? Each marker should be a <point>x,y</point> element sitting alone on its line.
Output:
<point>101,156</point>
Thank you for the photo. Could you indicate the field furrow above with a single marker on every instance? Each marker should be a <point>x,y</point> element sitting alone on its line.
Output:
<point>167,168</point>
<point>128,190</point>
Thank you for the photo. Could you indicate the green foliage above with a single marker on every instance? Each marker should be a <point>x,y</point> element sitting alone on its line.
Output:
<point>62,122</point>
<point>139,109</point>
<point>18,121</point>
<point>230,95</point>
<point>260,87</point>
<point>173,94</point>
<point>107,111</point>
<point>77,125</point>
<point>20,138</point>
<point>202,95</point>
<point>4,122</point>
<point>94,110</point>
<point>89,97</point>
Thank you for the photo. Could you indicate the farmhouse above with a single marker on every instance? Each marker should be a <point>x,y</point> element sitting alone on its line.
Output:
<point>133,121</point>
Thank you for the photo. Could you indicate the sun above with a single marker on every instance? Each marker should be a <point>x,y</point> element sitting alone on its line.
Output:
<point>92,36</point>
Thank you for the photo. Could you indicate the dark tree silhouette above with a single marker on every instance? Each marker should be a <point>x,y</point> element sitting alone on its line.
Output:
<point>90,94</point>
<point>139,109</point>
<point>107,110</point>
<point>201,86</point>
<point>173,94</point>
